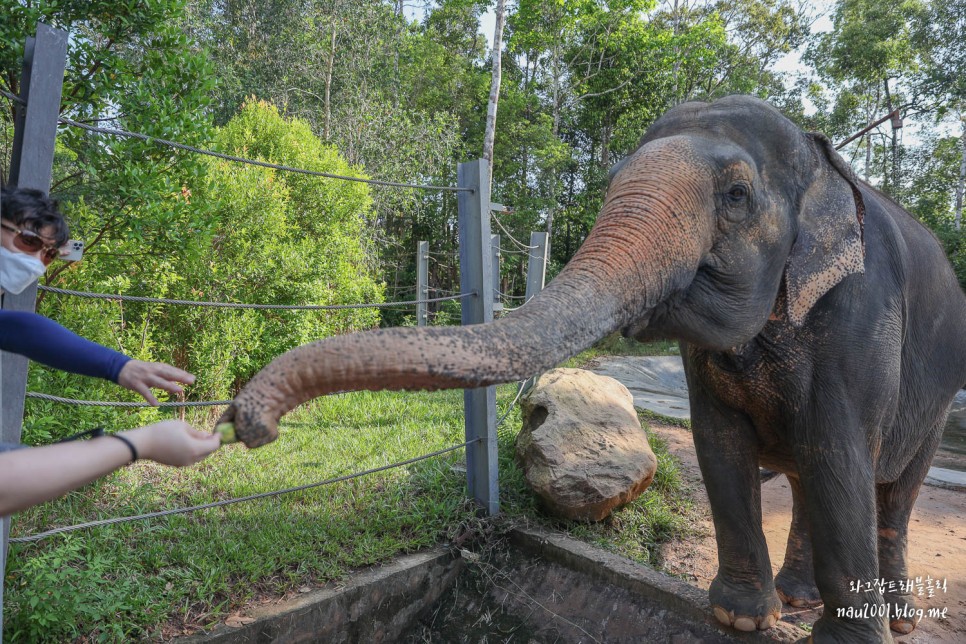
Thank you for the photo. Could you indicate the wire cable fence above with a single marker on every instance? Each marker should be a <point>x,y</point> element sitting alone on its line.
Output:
<point>232,305</point>
<point>237,159</point>
<point>519,244</point>
<point>252,497</point>
<point>152,140</point>
<point>128,405</point>
<point>12,97</point>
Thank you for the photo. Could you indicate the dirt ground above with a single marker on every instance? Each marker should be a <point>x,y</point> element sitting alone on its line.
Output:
<point>937,545</point>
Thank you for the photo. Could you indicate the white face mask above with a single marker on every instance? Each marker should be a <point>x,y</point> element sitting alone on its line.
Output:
<point>18,271</point>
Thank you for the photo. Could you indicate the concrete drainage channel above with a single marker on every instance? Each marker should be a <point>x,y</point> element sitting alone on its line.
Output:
<point>544,588</point>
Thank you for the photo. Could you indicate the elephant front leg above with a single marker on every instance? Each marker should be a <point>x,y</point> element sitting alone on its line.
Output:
<point>742,593</point>
<point>796,580</point>
<point>839,493</point>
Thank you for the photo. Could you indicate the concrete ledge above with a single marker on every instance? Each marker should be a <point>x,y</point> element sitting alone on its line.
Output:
<point>942,477</point>
<point>673,594</point>
<point>606,591</point>
<point>376,605</point>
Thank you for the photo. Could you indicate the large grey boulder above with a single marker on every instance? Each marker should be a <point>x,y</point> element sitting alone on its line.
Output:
<point>582,447</point>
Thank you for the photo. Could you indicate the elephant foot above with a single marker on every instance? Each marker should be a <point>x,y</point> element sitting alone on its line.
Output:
<point>904,614</point>
<point>796,591</point>
<point>743,609</point>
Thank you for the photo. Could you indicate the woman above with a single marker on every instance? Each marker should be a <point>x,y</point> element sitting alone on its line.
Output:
<point>32,234</point>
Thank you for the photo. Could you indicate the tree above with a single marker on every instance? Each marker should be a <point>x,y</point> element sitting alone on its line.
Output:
<point>395,98</point>
<point>273,237</point>
<point>941,35</point>
<point>494,85</point>
<point>129,66</point>
<point>869,55</point>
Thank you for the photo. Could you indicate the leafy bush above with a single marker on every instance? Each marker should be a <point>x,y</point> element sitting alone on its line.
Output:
<point>238,233</point>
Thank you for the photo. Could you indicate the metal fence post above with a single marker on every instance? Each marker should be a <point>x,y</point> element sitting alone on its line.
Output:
<point>35,132</point>
<point>475,276</point>
<point>537,266</point>
<point>422,282</point>
<point>495,247</point>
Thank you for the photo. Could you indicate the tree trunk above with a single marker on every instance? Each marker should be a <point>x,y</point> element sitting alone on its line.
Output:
<point>962,178</point>
<point>328,86</point>
<point>675,25</point>
<point>494,87</point>
<point>605,133</point>
<point>892,179</point>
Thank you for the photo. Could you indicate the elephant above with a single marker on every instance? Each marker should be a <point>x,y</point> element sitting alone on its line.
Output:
<point>822,332</point>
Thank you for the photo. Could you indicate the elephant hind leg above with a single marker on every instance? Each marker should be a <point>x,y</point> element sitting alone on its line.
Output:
<point>795,582</point>
<point>894,506</point>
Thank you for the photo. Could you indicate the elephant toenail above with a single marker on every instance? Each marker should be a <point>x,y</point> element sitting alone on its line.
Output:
<point>745,624</point>
<point>768,621</point>
<point>722,615</point>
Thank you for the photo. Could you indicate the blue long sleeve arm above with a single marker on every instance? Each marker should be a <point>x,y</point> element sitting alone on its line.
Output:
<point>49,343</point>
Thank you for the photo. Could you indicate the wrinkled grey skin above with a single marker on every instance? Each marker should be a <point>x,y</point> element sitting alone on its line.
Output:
<point>821,328</point>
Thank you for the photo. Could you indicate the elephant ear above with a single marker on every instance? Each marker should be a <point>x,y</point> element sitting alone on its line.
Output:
<point>829,246</point>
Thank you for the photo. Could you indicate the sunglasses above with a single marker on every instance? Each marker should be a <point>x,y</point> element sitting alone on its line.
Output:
<point>30,242</point>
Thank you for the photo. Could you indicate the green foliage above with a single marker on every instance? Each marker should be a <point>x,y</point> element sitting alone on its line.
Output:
<point>128,66</point>
<point>871,40</point>
<point>47,607</point>
<point>267,237</point>
<point>272,237</point>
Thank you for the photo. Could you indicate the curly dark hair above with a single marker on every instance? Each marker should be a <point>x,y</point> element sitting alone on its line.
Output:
<point>33,211</point>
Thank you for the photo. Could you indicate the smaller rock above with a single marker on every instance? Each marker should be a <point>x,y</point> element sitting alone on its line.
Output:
<point>582,447</point>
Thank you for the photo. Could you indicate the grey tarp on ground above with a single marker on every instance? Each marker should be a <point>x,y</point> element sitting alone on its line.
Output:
<point>656,382</point>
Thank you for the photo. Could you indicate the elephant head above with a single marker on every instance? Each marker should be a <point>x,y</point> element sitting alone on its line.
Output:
<point>727,215</point>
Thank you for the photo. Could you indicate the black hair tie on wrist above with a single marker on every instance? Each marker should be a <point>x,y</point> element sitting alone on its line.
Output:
<point>130,445</point>
<point>97,432</point>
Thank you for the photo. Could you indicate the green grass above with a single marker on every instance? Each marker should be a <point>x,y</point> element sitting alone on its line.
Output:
<point>130,580</point>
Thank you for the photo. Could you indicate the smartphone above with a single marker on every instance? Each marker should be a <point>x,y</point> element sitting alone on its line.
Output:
<point>75,248</point>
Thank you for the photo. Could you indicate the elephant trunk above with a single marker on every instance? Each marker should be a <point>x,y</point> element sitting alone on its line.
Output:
<point>644,247</point>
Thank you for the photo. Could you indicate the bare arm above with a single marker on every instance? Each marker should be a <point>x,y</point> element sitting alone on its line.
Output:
<point>33,475</point>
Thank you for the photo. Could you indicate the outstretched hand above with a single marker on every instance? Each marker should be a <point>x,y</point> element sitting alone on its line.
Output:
<point>141,377</point>
<point>173,442</point>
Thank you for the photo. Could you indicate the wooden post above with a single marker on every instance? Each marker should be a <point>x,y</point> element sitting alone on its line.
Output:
<point>422,282</point>
<point>35,132</point>
<point>476,276</point>
<point>495,248</point>
<point>537,265</point>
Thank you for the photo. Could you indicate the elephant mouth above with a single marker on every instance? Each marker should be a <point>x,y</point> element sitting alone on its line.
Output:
<point>638,327</point>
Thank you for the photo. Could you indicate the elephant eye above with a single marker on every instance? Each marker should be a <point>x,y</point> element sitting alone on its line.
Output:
<point>738,192</point>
